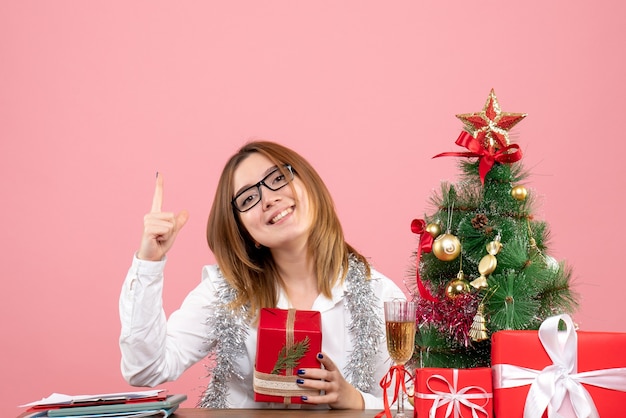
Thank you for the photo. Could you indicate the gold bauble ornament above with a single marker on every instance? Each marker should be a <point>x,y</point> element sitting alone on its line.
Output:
<point>433,229</point>
<point>519,193</point>
<point>457,286</point>
<point>446,247</point>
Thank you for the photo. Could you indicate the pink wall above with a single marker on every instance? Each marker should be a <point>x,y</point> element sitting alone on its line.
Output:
<point>96,96</point>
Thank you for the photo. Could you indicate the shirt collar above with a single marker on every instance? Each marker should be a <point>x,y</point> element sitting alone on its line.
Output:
<point>322,303</point>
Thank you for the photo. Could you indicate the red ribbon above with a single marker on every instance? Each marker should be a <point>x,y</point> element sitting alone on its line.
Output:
<point>487,157</point>
<point>400,375</point>
<point>418,226</point>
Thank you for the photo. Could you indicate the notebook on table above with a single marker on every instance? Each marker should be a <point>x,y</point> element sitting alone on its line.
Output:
<point>170,402</point>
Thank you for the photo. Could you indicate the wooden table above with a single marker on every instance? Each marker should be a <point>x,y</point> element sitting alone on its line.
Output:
<point>274,413</point>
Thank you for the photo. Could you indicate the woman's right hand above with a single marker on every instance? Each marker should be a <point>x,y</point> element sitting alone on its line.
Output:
<point>159,228</point>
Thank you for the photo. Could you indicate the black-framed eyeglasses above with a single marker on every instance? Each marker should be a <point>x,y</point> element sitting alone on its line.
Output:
<point>248,198</point>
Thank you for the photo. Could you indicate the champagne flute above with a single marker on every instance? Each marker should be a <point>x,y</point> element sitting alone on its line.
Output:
<point>400,325</point>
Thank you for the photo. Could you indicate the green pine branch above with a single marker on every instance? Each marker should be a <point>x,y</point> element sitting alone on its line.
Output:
<point>289,358</point>
<point>433,349</point>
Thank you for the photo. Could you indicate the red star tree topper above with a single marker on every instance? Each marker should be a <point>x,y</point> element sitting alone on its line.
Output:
<point>491,126</point>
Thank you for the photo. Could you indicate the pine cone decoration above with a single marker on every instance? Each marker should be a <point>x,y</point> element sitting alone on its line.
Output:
<point>480,221</point>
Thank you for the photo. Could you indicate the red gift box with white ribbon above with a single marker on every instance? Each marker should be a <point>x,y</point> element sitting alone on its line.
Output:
<point>287,340</point>
<point>454,393</point>
<point>575,374</point>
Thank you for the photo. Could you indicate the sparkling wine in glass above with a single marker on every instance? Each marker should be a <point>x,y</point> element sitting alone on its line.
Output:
<point>400,325</point>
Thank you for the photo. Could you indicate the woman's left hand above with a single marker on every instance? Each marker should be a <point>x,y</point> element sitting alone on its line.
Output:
<point>338,393</point>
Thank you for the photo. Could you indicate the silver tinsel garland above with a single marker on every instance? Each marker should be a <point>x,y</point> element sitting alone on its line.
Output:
<point>227,342</point>
<point>229,330</point>
<point>366,328</point>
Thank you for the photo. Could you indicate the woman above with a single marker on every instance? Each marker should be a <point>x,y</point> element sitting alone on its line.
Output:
<point>278,243</point>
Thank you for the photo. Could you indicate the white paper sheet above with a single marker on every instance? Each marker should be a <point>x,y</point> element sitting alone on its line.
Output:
<point>61,399</point>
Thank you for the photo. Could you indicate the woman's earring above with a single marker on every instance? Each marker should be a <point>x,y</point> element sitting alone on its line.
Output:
<point>257,245</point>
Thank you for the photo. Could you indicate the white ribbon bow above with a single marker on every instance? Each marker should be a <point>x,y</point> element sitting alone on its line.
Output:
<point>454,397</point>
<point>549,387</point>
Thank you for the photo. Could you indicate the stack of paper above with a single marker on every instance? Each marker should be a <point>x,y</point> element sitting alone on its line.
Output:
<point>152,403</point>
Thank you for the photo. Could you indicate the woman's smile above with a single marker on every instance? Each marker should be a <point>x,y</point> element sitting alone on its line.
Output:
<point>281,215</point>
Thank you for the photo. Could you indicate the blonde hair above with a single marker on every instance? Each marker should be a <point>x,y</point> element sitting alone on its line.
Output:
<point>251,271</point>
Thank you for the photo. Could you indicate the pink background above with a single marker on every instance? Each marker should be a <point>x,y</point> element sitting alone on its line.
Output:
<point>95,96</point>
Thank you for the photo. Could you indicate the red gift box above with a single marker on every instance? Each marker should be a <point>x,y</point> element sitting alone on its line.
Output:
<point>572,362</point>
<point>453,392</point>
<point>285,334</point>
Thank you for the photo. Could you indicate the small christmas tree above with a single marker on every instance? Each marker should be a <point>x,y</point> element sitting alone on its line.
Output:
<point>482,262</point>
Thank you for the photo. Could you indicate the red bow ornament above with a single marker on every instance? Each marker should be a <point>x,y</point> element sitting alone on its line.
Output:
<point>418,226</point>
<point>487,156</point>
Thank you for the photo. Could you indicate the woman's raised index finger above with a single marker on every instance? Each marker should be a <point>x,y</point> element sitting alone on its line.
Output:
<point>157,200</point>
